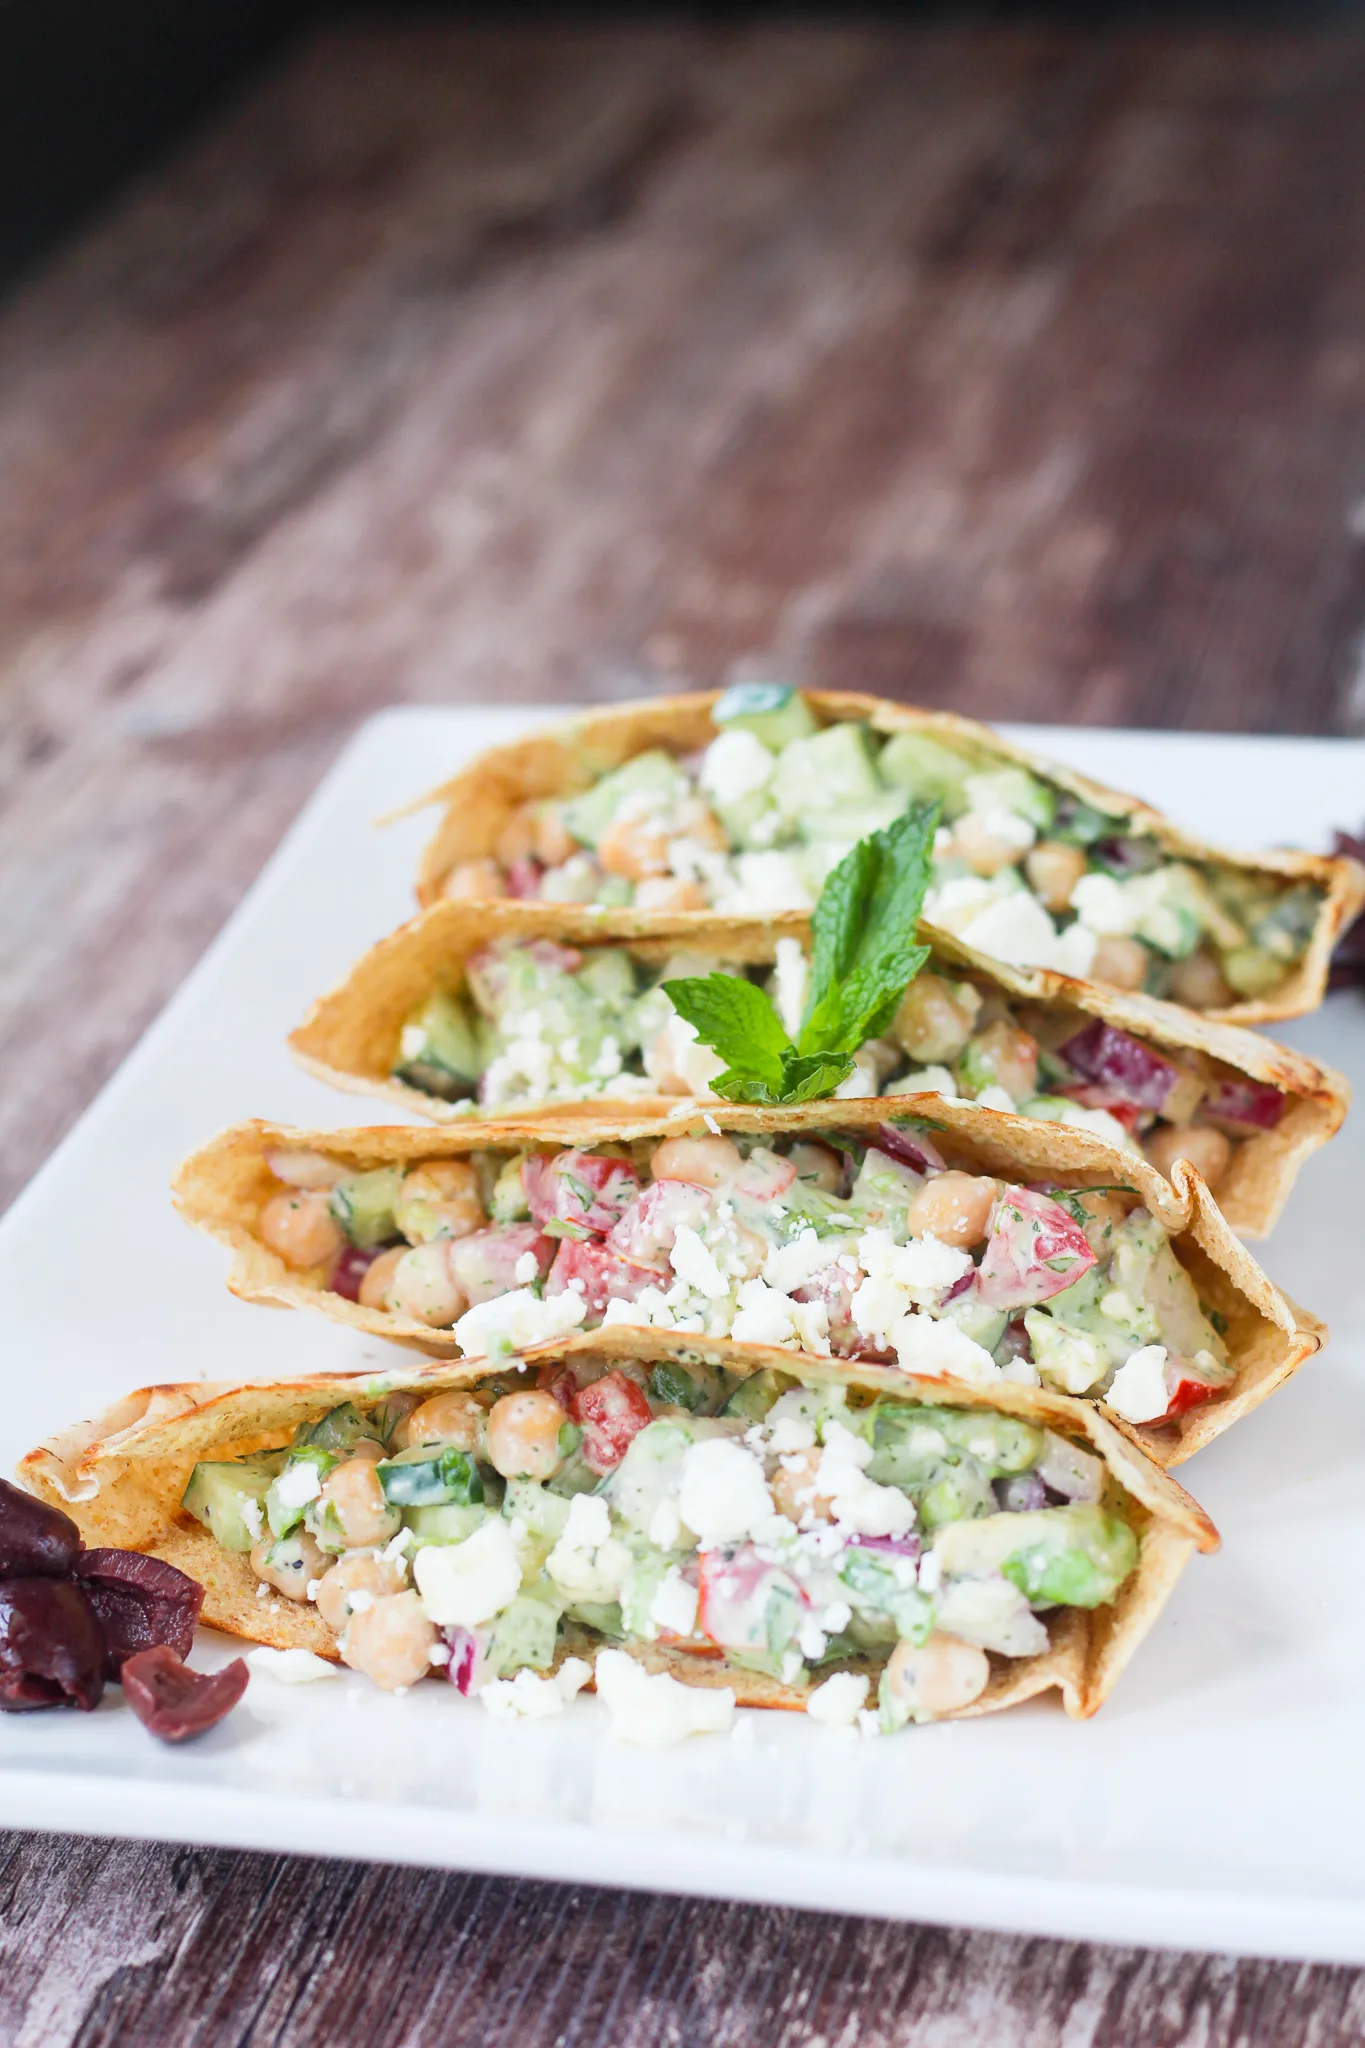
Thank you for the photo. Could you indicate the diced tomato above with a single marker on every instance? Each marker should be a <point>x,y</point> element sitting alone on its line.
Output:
<point>746,1603</point>
<point>1033,1252</point>
<point>597,1274</point>
<point>610,1413</point>
<point>765,1176</point>
<point>559,1381</point>
<point>645,1232</point>
<point>485,1263</point>
<point>349,1270</point>
<point>586,1190</point>
<point>1189,1388</point>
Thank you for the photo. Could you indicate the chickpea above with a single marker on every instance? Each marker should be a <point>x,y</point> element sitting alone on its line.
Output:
<point>935,1018</point>
<point>940,1677</point>
<point>523,1435</point>
<point>702,1162</point>
<point>440,1199</point>
<point>377,1576</point>
<point>698,822</point>
<point>793,1487</point>
<point>1208,1151</point>
<point>474,881</point>
<point>445,1419</point>
<point>1119,961</point>
<point>1198,983</point>
<point>665,892</point>
<point>554,844</point>
<point>634,847</point>
<point>423,1287</point>
<point>300,1226</point>
<point>390,1642</point>
<point>984,851</point>
<point>305,1169</point>
<point>1008,1057</point>
<point>819,1166</point>
<point>361,1509</point>
<point>368,1447</point>
<point>378,1281</point>
<point>953,1207</point>
<point>289,1563</point>
<point>1053,871</point>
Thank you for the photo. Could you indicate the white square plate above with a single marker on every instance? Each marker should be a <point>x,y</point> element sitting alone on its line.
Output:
<point>1217,1802</point>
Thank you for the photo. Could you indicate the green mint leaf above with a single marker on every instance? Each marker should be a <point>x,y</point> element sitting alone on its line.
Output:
<point>865,952</point>
<point>811,1077</point>
<point>737,1020</point>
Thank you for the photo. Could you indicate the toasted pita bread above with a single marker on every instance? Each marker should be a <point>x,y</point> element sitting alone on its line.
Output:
<point>222,1189</point>
<point>561,761</point>
<point>350,1036</point>
<point>122,1478</point>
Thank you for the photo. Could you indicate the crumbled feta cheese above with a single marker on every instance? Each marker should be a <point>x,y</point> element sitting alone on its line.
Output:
<point>526,1269</point>
<point>587,1562</point>
<point>995,1097</point>
<point>692,1262</point>
<point>1104,906</point>
<point>1007,827</point>
<point>1100,1124</point>
<point>654,1710</point>
<point>299,1483</point>
<point>764,1316</point>
<point>722,1492</point>
<point>836,1617</point>
<point>1014,928</point>
<point>924,1269</point>
<point>810,1319</point>
<point>939,1349</point>
<point>811,1641</point>
<point>250,1512</point>
<point>930,1572</point>
<point>528,1697</point>
<point>1076,950</point>
<point>791,1433</point>
<point>1137,1391</point>
<point>789,1266</point>
<point>763,883</point>
<point>993,1614</point>
<point>836,1703</point>
<point>513,1322</point>
<point>464,1584</point>
<point>736,765</point>
<point>674,1607</point>
<point>858,1504</point>
<point>290,1667</point>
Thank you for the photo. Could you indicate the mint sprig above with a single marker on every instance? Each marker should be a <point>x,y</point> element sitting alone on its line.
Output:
<point>863,958</point>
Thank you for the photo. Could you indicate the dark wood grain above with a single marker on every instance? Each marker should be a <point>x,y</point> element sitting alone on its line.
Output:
<point>1021,372</point>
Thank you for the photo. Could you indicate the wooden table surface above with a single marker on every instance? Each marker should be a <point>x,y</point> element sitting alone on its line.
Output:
<point>1018,372</point>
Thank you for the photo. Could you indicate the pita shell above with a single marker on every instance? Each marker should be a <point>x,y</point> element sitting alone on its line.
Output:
<point>222,1188</point>
<point>350,1036</point>
<point>122,1478</point>
<point>567,758</point>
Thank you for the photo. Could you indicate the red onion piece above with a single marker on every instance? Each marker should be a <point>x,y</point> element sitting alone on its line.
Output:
<point>889,1546</point>
<point>174,1702</point>
<point>465,1666</point>
<point>350,1269</point>
<point>911,1148</point>
<point>1115,1059</point>
<point>139,1602</point>
<point>35,1540</point>
<point>523,877</point>
<point>960,1287</point>
<point>1252,1103</point>
<point>51,1649</point>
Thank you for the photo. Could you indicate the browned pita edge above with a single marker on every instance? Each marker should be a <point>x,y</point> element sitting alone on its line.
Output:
<point>221,1189</point>
<point>122,1477</point>
<point>569,757</point>
<point>350,1036</point>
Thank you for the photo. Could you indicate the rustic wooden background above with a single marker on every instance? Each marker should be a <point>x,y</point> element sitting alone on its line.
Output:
<point>1018,371</point>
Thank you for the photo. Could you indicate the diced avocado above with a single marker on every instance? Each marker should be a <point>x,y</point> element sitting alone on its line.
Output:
<point>340,1429</point>
<point>363,1205</point>
<point>1011,789</point>
<point>524,1633</point>
<point>754,1396</point>
<point>832,770</point>
<point>1083,1558</point>
<point>1001,1443</point>
<point>926,768</point>
<point>228,1498</point>
<point>508,1203</point>
<point>962,1493</point>
<point>908,1447</point>
<point>449,1523</point>
<point>438,1049</point>
<point>608,975</point>
<point>1146,1270</point>
<point>775,713</point>
<point>873,1583</point>
<point>652,781</point>
<point>984,1325</point>
<point>1070,1359</point>
<point>433,1475</point>
<point>294,1489</point>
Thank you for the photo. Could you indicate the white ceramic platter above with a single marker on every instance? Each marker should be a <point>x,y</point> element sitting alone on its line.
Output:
<point>1217,1802</point>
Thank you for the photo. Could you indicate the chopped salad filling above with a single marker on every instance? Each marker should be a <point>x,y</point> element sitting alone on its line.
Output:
<point>823,1244</point>
<point>1023,871</point>
<point>787,1529</point>
<point>539,1022</point>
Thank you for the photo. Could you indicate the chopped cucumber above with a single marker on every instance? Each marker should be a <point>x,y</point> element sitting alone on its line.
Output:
<point>543,1513</point>
<point>844,826</point>
<point>754,1396</point>
<point>228,1498</point>
<point>1001,1443</point>
<point>653,781</point>
<point>524,1633</point>
<point>832,770</point>
<point>700,1389</point>
<point>363,1205</point>
<point>449,1523</point>
<point>1012,789</point>
<point>1250,971</point>
<point>926,768</point>
<point>438,1050</point>
<point>775,713</point>
<point>608,975</point>
<point>431,1476</point>
<point>339,1430</point>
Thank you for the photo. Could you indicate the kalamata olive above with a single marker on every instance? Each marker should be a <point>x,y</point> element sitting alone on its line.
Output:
<point>51,1648</point>
<point>35,1540</point>
<point>139,1602</point>
<point>174,1702</point>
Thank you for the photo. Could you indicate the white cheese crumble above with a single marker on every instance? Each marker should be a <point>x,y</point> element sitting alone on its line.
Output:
<point>1138,1389</point>
<point>512,1322</point>
<point>836,1703</point>
<point>789,1266</point>
<point>764,882</point>
<point>655,1710</point>
<point>587,1562</point>
<point>299,1483</point>
<point>674,1606</point>
<point>692,1262</point>
<point>465,1584</point>
<point>924,1269</point>
<point>722,1493</point>
<point>250,1512</point>
<point>527,1697</point>
<point>526,1269</point>
<point>858,1504</point>
<point>290,1667</point>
